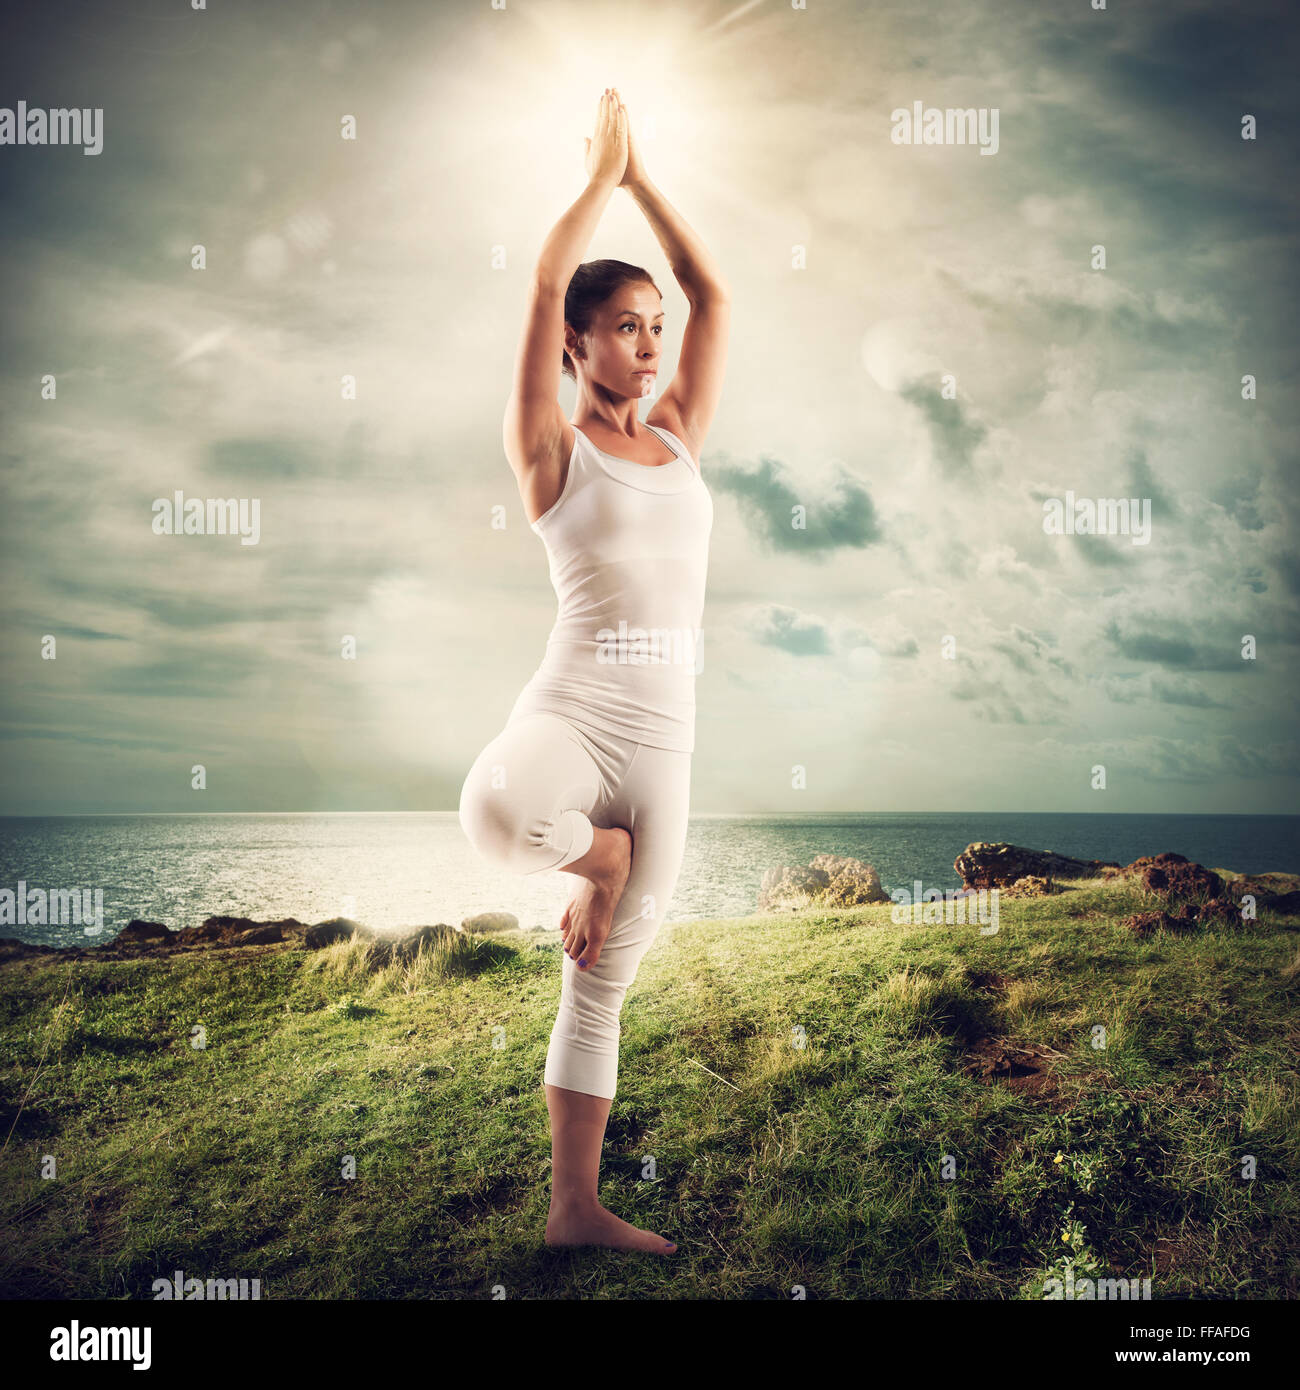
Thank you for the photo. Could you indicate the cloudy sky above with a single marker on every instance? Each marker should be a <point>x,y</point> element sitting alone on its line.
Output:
<point>924,644</point>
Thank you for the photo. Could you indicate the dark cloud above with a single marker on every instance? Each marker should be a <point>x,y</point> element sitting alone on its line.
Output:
<point>1044,315</point>
<point>1172,646</point>
<point>1182,692</point>
<point>206,588</point>
<point>1104,552</point>
<point>58,628</point>
<point>1144,483</point>
<point>29,733</point>
<point>1124,689</point>
<point>1029,694</point>
<point>193,672</point>
<point>852,639</point>
<point>1288,568</point>
<point>1029,652</point>
<point>1197,73</point>
<point>351,456</point>
<point>844,518</point>
<point>792,631</point>
<point>177,606</point>
<point>993,702</point>
<point>954,434</point>
<point>260,458</point>
<point>1210,761</point>
<point>1239,497</point>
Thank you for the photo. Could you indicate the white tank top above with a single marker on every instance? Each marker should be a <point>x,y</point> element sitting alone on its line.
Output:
<point>628,546</point>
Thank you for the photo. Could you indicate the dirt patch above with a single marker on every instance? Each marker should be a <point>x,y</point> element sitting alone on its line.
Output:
<point>991,980</point>
<point>1165,1255</point>
<point>624,1130</point>
<point>1024,1069</point>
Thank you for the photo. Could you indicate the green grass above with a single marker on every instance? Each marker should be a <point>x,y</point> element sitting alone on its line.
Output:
<point>789,1088</point>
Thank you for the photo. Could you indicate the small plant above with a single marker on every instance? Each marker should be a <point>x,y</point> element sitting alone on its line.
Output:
<point>348,1007</point>
<point>1079,1262</point>
<point>1088,1171</point>
<point>1074,1234</point>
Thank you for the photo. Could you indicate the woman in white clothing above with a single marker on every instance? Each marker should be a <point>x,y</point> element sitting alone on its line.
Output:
<point>591,774</point>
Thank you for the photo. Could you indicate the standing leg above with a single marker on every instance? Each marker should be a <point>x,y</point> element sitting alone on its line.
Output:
<point>582,1063</point>
<point>529,804</point>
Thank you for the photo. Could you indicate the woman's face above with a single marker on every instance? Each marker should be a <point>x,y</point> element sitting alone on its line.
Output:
<point>622,345</point>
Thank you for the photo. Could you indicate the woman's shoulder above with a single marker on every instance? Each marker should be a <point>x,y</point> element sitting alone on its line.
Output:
<point>664,416</point>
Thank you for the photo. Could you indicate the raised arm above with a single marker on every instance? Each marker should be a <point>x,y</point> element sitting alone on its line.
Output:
<point>534,425</point>
<point>692,396</point>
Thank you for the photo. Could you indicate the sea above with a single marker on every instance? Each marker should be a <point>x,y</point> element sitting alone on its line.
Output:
<point>401,870</point>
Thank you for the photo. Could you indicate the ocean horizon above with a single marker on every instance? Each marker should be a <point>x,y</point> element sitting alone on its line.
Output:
<point>395,870</point>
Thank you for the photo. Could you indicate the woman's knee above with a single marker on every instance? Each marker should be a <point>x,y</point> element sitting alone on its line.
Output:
<point>488,816</point>
<point>512,829</point>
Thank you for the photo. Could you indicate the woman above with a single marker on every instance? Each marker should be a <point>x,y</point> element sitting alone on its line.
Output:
<point>591,774</point>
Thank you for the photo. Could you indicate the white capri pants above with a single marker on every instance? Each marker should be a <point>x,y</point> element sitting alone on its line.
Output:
<point>529,804</point>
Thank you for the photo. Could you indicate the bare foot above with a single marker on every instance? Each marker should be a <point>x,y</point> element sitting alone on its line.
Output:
<point>585,925</point>
<point>599,1226</point>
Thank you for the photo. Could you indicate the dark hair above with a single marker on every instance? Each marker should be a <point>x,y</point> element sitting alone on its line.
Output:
<point>592,284</point>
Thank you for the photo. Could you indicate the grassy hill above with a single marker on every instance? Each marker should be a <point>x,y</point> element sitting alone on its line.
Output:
<point>789,1088</point>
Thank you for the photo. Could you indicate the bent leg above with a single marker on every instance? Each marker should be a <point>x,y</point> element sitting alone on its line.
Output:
<point>525,801</point>
<point>653,804</point>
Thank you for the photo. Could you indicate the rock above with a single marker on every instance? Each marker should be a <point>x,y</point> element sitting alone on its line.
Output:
<point>260,936</point>
<point>1218,911</point>
<point>1272,891</point>
<point>999,865</point>
<point>831,880</point>
<point>13,949</point>
<point>1210,895</point>
<point>851,881</point>
<point>137,933</point>
<point>229,931</point>
<point>1031,886</point>
<point>1183,882</point>
<point>852,871</point>
<point>224,932</point>
<point>487,922</point>
<point>789,887</point>
<point>1146,923</point>
<point>1270,885</point>
<point>1215,912</point>
<point>1194,896</point>
<point>234,931</point>
<point>327,933</point>
<point>1164,860</point>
